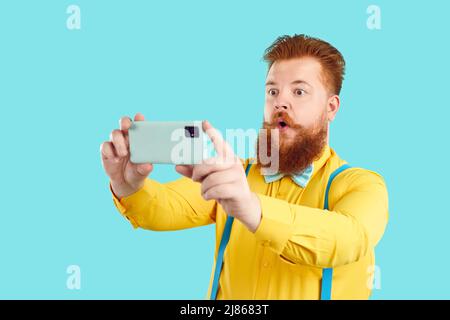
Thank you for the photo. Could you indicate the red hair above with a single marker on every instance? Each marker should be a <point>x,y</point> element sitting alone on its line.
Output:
<point>299,46</point>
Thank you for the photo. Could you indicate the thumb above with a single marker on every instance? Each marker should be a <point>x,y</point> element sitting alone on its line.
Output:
<point>185,170</point>
<point>143,169</point>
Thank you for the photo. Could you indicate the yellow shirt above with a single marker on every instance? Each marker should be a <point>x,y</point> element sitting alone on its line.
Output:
<point>296,238</point>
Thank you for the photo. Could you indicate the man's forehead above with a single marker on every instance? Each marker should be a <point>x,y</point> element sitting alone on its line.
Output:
<point>307,69</point>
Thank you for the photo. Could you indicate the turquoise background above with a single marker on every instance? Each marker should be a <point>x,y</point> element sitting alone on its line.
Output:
<point>63,91</point>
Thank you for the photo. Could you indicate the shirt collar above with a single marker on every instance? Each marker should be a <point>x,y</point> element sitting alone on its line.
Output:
<point>301,179</point>
<point>305,176</point>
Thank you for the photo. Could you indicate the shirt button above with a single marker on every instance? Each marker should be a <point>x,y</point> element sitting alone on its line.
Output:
<point>265,264</point>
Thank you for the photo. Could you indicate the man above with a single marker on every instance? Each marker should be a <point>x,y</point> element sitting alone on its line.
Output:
<point>295,235</point>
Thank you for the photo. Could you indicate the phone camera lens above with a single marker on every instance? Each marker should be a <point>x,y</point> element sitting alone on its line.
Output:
<point>191,131</point>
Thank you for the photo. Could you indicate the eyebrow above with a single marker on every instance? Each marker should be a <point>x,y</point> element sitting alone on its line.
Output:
<point>271,83</point>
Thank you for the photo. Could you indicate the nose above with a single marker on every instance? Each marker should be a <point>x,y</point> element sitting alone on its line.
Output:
<point>280,107</point>
<point>281,102</point>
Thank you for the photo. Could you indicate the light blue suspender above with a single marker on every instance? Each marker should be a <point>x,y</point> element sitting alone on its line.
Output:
<point>327,274</point>
<point>222,246</point>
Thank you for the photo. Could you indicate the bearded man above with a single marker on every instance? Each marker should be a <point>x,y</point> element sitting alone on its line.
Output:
<point>297,223</point>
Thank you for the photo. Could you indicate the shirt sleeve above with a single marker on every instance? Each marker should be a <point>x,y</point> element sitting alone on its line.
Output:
<point>170,206</point>
<point>303,235</point>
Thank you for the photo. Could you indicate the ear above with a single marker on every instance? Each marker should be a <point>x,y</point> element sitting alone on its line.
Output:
<point>333,107</point>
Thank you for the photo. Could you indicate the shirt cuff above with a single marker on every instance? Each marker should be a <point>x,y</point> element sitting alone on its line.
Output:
<point>125,203</point>
<point>277,223</point>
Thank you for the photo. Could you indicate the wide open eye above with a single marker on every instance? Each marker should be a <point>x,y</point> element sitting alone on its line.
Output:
<point>299,92</point>
<point>272,92</point>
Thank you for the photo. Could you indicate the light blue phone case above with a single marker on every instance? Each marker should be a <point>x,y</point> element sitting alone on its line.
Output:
<point>174,142</point>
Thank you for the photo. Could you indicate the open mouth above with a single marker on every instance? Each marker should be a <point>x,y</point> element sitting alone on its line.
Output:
<point>282,125</point>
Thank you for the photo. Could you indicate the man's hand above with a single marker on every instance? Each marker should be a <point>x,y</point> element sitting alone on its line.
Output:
<point>223,179</point>
<point>126,177</point>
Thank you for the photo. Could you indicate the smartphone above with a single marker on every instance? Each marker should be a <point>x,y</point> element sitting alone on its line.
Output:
<point>173,142</point>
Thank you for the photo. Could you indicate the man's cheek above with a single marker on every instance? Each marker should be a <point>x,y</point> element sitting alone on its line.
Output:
<point>267,114</point>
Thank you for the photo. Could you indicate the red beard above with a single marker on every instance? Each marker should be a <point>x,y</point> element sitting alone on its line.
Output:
<point>297,153</point>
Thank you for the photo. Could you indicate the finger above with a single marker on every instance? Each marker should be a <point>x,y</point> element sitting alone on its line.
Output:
<point>222,148</point>
<point>139,117</point>
<point>207,167</point>
<point>119,143</point>
<point>107,152</point>
<point>143,169</point>
<point>185,170</point>
<point>125,124</point>
<point>220,192</point>
<point>217,178</point>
